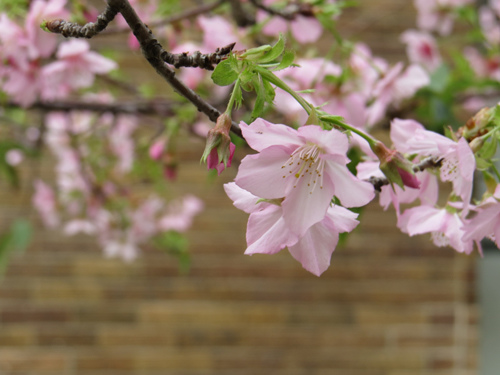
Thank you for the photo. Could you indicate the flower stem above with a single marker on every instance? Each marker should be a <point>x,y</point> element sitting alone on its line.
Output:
<point>269,76</point>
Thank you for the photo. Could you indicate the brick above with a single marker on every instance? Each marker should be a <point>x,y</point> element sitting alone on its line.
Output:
<point>33,362</point>
<point>16,336</point>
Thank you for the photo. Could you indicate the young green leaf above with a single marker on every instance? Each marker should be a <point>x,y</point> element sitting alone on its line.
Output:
<point>286,60</point>
<point>261,98</point>
<point>274,53</point>
<point>224,74</point>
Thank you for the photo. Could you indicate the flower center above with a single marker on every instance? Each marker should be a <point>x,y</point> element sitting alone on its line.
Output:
<point>305,163</point>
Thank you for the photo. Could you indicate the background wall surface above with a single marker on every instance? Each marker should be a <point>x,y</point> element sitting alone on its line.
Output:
<point>388,305</point>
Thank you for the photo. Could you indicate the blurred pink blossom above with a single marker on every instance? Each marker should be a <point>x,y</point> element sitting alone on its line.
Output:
<point>14,157</point>
<point>180,214</point>
<point>489,25</point>
<point>44,202</point>
<point>422,49</point>
<point>446,228</point>
<point>75,68</point>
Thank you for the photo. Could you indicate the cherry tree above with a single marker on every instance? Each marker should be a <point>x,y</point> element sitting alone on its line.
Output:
<point>304,116</point>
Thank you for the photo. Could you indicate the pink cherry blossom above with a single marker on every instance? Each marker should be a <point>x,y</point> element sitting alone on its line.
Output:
<point>122,143</point>
<point>495,5</point>
<point>446,228</point>
<point>427,192</point>
<point>304,29</point>
<point>488,67</point>
<point>41,43</point>
<point>180,214</point>
<point>75,226</point>
<point>268,233</point>
<point>436,15</point>
<point>394,87</point>
<point>124,249</point>
<point>486,222</point>
<point>14,157</point>
<point>75,68</point>
<point>489,25</point>
<point>306,167</point>
<point>218,32</point>
<point>213,159</point>
<point>422,49</point>
<point>458,163</point>
<point>44,202</point>
<point>157,149</point>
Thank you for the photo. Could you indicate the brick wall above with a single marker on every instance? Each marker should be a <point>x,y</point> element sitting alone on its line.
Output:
<point>389,304</point>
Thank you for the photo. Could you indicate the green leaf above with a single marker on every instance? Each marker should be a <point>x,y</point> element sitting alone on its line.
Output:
<point>440,79</point>
<point>269,90</point>
<point>274,53</point>
<point>175,244</point>
<point>15,240</point>
<point>255,54</point>
<point>224,74</point>
<point>260,101</point>
<point>286,60</point>
<point>489,149</point>
<point>482,164</point>
<point>21,235</point>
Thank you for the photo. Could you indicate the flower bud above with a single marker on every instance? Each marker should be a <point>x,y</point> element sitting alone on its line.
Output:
<point>395,166</point>
<point>219,149</point>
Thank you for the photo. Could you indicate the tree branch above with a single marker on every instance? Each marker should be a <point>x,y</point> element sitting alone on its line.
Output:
<point>156,107</point>
<point>289,12</point>
<point>430,162</point>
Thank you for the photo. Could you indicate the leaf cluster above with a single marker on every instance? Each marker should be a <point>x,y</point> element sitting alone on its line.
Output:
<point>252,71</point>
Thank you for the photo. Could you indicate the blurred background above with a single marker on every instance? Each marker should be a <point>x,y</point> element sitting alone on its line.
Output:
<point>388,305</point>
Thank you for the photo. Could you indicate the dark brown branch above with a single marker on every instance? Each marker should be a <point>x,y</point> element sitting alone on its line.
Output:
<point>153,107</point>
<point>430,162</point>
<point>197,59</point>
<point>289,12</point>
<point>240,15</point>
<point>70,29</point>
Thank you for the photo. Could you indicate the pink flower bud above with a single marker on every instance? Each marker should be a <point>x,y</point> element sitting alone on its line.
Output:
<point>157,148</point>
<point>219,149</point>
<point>395,166</point>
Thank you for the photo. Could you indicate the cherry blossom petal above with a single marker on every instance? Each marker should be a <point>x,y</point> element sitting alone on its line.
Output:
<point>306,29</point>
<point>351,191</point>
<point>422,219</point>
<point>243,199</point>
<point>262,175</point>
<point>267,232</point>
<point>261,134</point>
<point>330,141</point>
<point>306,204</point>
<point>315,248</point>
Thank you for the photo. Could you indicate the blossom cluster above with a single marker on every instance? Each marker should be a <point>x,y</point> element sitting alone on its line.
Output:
<point>29,74</point>
<point>296,188</point>
<point>288,189</point>
<point>89,197</point>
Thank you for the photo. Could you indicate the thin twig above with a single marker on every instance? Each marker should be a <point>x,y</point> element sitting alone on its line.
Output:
<point>430,162</point>
<point>157,107</point>
<point>289,12</point>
